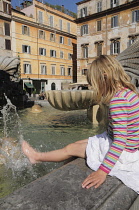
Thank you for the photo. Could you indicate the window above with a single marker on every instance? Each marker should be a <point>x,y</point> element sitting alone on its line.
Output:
<point>99,6</point>
<point>69,71</point>
<point>52,37</point>
<point>114,21</point>
<point>84,71</point>
<point>6,8</point>
<point>69,56</point>
<point>62,68</point>
<point>7,29</point>
<point>84,29</point>
<point>83,12</point>
<point>68,27</point>
<point>42,86</point>
<point>52,53</point>
<point>132,39</point>
<point>85,51</point>
<point>114,3</point>
<point>135,16</point>
<point>53,68</point>
<point>27,68</point>
<point>43,69</point>
<point>41,34</point>
<point>51,21</point>
<point>61,40</point>
<point>115,47</point>
<point>42,51</point>
<point>40,17</point>
<point>69,41</point>
<point>7,44</point>
<point>26,49</point>
<point>99,25</point>
<point>60,24</point>
<point>99,48</point>
<point>25,30</point>
<point>61,54</point>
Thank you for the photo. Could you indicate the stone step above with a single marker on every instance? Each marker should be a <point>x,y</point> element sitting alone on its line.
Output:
<point>61,190</point>
<point>135,205</point>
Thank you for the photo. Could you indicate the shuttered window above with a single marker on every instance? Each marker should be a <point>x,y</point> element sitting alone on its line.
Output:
<point>43,69</point>
<point>99,25</point>
<point>7,29</point>
<point>41,34</point>
<point>62,68</point>
<point>42,51</point>
<point>52,53</point>
<point>84,29</point>
<point>51,21</point>
<point>83,12</point>
<point>7,8</point>
<point>27,68</point>
<point>60,24</point>
<point>68,27</point>
<point>61,54</point>
<point>7,44</point>
<point>85,51</point>
<point>40,17</point>
<point>114,21</point>
<point>26,49</point>
<point>135,16</point>
<point>114,3</point>
<point>99,49</point>
<point>99,6</point>
<point>115,47</point>
<point>52,37</point>
<point>25,30</point>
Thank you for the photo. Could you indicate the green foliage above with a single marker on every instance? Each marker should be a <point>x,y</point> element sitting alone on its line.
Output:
<point>59,8</point>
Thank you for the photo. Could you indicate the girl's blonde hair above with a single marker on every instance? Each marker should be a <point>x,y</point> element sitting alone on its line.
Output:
<point>105,76</point>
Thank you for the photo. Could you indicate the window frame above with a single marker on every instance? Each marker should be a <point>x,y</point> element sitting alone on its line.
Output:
<point>43,69</point>
<point>27,31</point>
<point>42,36</point>
<point>26,49</point>
<point>99,6</point>
<point>84,29</point>
<point>53,53</point>
<point>7,44</point>
<point>29,70</point>
<point>42,51</point>
<point>115,47</point>
<point>61,39</point>
<point>114,21</point>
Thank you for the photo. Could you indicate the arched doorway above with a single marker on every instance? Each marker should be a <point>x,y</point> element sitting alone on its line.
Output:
<point>53,86</point>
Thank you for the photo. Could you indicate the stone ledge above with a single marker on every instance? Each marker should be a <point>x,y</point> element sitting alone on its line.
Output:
<point>61,190</point>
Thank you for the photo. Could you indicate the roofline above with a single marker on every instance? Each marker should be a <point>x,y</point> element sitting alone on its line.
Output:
<point>109,11</point>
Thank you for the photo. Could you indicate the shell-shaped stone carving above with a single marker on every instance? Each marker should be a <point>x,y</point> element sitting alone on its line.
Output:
<point>10,65</point>
<point>70,100</point>
<point>129,59</point>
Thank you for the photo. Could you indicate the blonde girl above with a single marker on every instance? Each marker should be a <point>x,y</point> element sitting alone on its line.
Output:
<point>114,152</point>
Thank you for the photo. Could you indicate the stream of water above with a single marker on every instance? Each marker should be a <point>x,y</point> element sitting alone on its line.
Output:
<point>49,130</point>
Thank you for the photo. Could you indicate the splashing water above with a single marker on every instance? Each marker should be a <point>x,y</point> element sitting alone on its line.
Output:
<point>10,145</point>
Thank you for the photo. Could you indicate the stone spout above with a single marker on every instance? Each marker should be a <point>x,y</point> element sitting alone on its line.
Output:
<point>70,100</point>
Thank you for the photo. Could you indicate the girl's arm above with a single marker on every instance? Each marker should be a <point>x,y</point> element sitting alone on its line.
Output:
<point>119,107</point>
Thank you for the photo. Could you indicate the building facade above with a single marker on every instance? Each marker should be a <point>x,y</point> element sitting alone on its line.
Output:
<point>45,40</point>
<point>104,27</point>
<point>5,28</point>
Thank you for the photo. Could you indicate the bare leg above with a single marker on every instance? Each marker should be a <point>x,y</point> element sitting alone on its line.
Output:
<point>75,149</point>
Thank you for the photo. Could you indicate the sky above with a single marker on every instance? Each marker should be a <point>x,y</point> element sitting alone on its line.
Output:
<point>68,4</point>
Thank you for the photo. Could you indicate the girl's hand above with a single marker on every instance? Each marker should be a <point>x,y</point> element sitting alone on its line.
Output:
<point>94,179</point>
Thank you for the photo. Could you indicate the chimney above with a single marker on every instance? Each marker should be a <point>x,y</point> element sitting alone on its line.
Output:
<point>62,8</point>
<point>18,8</point>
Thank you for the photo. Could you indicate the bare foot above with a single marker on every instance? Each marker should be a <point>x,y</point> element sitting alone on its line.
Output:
<point>30,152</point>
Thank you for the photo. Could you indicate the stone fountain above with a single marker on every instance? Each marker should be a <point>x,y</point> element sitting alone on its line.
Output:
<point>84,99</point>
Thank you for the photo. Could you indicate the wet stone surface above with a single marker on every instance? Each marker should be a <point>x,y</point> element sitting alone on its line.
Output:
<point>61,190</point>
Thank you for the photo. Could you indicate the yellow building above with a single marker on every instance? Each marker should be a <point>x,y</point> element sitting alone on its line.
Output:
<point>104,27</point>
<point>45,40</point>
<point>5,28</point>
